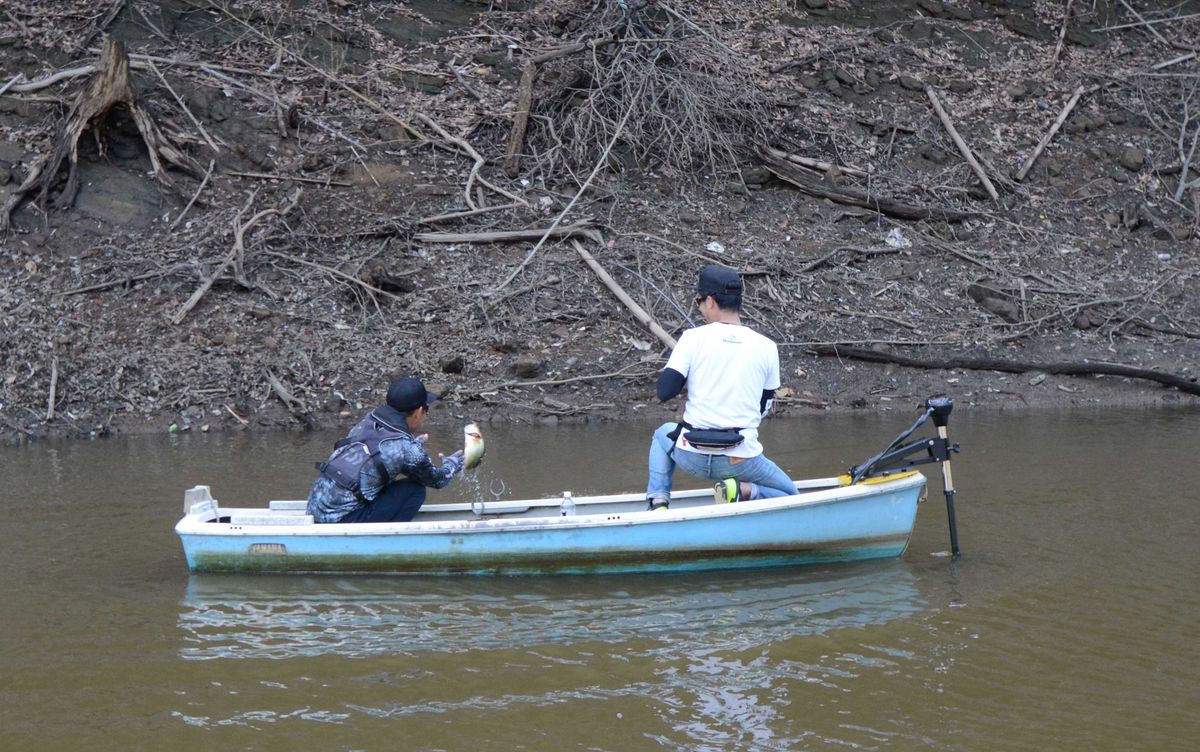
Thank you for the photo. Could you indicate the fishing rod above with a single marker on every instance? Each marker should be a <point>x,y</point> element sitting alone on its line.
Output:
<point>898,457</point>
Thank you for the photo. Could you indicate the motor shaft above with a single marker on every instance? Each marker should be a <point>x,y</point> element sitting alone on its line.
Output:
<point>948,485</point>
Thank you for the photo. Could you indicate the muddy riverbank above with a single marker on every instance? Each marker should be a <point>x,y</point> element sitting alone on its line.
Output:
<point>346,168</point>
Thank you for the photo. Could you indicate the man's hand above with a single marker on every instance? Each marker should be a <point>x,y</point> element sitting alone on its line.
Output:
<point>454,462</point>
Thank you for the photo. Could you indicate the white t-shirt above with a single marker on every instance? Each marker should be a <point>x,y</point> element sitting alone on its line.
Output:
<point>727,367</point>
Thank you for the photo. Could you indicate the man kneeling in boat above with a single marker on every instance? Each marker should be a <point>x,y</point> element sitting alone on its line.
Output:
<point>731,373</point>
<point>379,472</point>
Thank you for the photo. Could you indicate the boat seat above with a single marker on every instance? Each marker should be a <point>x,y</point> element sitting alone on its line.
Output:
<point>289,505</point>
<point>271,519</point>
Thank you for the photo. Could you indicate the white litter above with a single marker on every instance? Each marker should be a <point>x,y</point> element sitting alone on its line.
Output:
<point>896,239</point>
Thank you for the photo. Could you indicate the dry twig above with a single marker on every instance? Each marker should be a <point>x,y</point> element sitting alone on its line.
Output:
<point>1062,117</point>
<point>212,163</point>
<point>506,236</point>
<point>237,252</point>
<point>1062,34</point>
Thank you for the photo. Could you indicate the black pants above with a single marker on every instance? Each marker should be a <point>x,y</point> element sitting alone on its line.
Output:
<point>398,502</point>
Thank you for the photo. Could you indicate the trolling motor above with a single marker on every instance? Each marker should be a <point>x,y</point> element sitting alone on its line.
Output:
<point>899,457</point>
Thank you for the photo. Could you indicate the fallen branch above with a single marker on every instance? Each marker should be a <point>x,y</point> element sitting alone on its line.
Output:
<point>516,137</point>
<point>12,82</point>
<point>50,400</point>
<point>294,405</point>
<point>50,80</point>
<point>235,254</point>
<point>595,170</point>
<point>433,220</point>
<point>1062,118</point>
<point>212,163</point>
<point>336,273</point>
<point>638,312</point>
<point>1144,22</point>
<point>139,62</point>
<point>857,251</point>
<point>809,184</point>
<point>292,178</point>
<point>962,145</point>
<point>282,393</point>
<point>802,401</point>
<point>555,382</point>
<point>126,280</point>
<point>479,163</point>
<point>506,236</point>
<point>1010,366</point>
<point>1185,170</point>
<point>237,417</point>
<point>1173,61</point>
<point>1150,27</point>
<point>1178,332</point>
<point>136,61</point>
<point>1062,34</point>
<point>183,106</point>
<point>816,164</point>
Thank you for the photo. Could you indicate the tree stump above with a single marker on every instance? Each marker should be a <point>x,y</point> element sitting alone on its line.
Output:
<point>109,86</point>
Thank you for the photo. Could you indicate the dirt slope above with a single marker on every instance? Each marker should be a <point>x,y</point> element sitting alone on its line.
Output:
<point>363,151</point>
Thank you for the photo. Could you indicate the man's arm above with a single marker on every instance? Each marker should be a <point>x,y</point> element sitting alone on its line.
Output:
<point>412,462</point>
<point>764,404</point>
<point>670,384</point>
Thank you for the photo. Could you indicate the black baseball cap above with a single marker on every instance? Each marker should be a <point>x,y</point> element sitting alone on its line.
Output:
<point>719,280</point>
<point>408,393</point>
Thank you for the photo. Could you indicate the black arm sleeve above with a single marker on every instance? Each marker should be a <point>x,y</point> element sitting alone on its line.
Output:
<point>670,384</point>
<point>767,396</point>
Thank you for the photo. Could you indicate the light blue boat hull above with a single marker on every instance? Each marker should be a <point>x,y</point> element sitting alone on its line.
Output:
<point>608,534</point>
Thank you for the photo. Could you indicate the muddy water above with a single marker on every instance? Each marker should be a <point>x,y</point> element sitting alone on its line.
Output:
<point>1071,622</point>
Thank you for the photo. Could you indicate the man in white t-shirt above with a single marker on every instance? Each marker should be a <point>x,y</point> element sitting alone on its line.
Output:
<point>731,373</point>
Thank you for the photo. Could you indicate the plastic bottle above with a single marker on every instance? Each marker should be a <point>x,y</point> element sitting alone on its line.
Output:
<point>568,504</point>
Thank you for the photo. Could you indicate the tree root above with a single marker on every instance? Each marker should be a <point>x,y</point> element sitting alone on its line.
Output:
<point>110,86</point>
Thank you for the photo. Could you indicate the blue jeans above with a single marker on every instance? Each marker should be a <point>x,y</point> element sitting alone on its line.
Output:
<point>766,480</point>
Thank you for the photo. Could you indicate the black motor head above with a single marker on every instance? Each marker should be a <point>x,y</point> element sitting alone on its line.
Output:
<point>940,406</point>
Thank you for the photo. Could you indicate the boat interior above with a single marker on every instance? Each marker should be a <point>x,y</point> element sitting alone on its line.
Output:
<point>199,502</point>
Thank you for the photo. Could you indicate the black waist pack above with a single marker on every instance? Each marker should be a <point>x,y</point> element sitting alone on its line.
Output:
<point>713,438</point>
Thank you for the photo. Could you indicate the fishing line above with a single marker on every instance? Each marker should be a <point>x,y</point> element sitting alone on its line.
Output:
<point>664,295</point>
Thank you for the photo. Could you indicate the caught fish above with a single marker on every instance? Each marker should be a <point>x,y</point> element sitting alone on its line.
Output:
<point>473,446</point>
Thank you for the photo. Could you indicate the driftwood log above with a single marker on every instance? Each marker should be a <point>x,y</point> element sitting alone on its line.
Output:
<point>110,86</point>
<point>815,186</point>
<point>1010,366</point>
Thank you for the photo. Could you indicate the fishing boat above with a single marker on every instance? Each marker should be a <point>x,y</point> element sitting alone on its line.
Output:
<point>867,513</point>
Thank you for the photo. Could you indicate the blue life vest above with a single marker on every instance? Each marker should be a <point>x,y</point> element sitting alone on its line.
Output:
<point>351,454</point>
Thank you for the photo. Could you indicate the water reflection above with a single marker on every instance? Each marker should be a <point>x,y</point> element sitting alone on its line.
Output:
<point>266,617</point>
